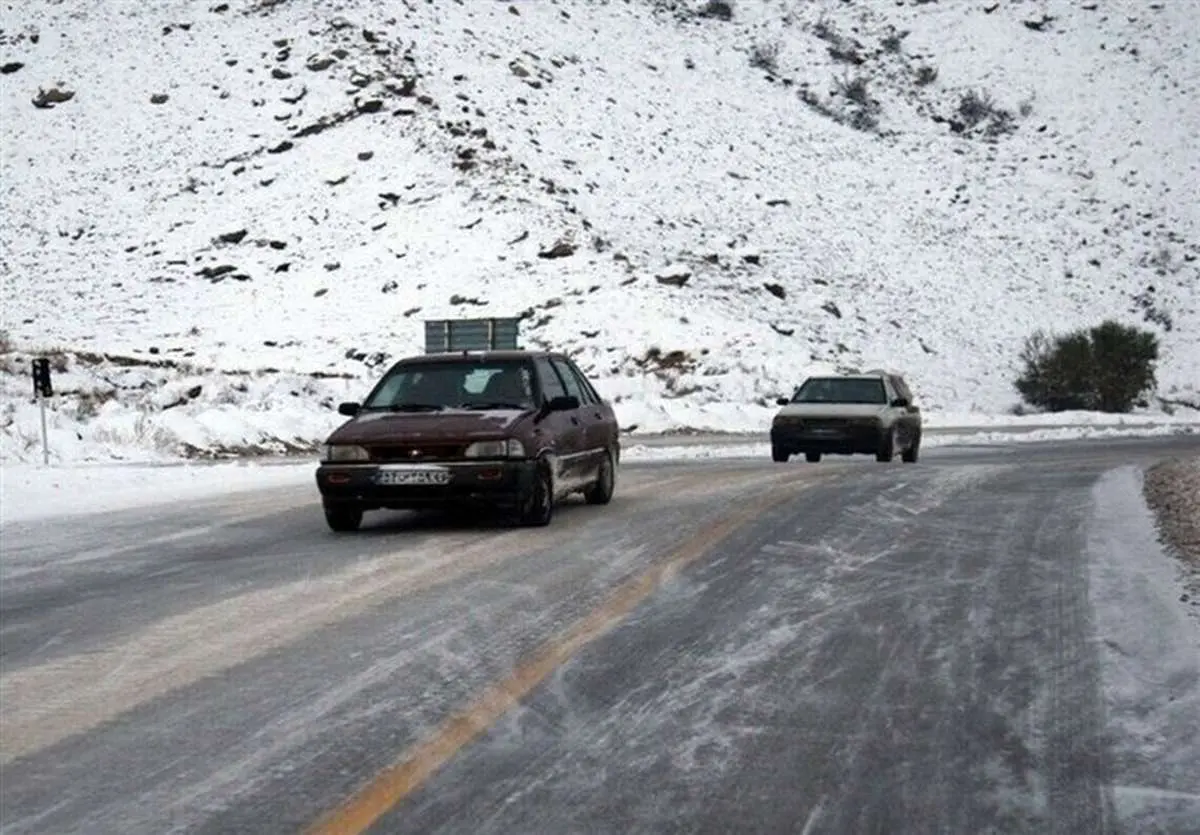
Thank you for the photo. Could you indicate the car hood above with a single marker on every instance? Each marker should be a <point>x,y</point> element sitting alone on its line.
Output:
<point>451,424</point>
<point>832,410</point>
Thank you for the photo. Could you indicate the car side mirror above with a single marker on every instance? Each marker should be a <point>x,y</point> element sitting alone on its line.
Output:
<point>901,403</point>
<point>349,409</point>
<point>562,403</point>
<point>782,401</point>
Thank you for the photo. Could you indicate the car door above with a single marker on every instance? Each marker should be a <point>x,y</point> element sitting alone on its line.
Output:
<point>590,417</point>
<point>560,433</point>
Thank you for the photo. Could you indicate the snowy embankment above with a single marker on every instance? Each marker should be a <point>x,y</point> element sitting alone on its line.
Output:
<point>700,210</point>
<point>121,409</point>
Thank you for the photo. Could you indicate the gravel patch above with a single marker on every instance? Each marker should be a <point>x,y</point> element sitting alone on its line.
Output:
<point>1172,490</point>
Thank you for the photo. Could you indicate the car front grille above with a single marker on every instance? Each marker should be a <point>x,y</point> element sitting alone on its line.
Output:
<point>416,452</point>
<point>826,423</point>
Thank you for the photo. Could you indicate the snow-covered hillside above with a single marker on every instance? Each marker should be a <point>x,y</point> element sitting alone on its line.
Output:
<point>701,209</point>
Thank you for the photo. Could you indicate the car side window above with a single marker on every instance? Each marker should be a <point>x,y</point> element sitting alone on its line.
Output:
<point>593,396</point>
<point>551,384</point>
<point>569,380</point>
<point>889,384</point>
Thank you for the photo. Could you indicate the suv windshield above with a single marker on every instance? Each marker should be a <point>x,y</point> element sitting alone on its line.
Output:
<point>468,384</point>
<point>841,390</point>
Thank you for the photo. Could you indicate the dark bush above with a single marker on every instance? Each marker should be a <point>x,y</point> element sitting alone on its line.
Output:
<point>717,9</point>
<point>1107,368</point>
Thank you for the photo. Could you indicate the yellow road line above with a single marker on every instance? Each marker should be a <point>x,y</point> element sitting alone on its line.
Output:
<point>420,762</point>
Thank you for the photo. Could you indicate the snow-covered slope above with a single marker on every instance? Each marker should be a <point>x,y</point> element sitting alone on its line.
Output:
<point>295,185</point>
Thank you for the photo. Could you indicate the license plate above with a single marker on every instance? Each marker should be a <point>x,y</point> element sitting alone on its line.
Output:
<point>412,476</point>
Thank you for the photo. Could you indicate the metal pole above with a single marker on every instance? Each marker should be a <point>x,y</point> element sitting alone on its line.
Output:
<point>45,437</point>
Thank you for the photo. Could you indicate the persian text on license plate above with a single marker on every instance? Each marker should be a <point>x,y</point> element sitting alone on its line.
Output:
<point>412,477</point>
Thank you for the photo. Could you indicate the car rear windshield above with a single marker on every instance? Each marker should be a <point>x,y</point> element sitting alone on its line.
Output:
<point>469,384</point>
<point>840,390</point>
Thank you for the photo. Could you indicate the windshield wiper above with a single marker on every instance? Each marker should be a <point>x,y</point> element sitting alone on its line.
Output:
<point>410,407</point>
<point>497,404</point>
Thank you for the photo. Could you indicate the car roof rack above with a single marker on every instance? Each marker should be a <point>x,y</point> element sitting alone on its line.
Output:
<point>466,335</point>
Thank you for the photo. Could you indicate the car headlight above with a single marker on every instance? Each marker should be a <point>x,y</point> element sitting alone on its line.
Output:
<point>509,448</point>
<point>788,420</point>
<point>334,453</point>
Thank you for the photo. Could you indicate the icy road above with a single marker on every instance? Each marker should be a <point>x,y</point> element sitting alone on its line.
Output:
<point>986,641</point>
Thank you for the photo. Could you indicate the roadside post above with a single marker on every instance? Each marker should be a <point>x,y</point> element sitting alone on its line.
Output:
<point>42,389</point>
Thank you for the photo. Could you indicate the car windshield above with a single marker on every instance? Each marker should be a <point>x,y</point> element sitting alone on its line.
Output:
<point>469,384</point>
<point>841,390</point>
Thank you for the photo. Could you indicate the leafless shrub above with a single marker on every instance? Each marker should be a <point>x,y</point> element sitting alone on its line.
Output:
<point>855,89</point>
<point>893,41</point>
<point>977,109</point>
<point>824,30</point>
<point>765,57</point>
<point>925,75</point>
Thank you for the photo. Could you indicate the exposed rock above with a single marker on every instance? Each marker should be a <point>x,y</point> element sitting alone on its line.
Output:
<point>159,98</point>
<point>47,99</point>
<point>674,278</point>
<point>232,237</point>
<point>775,290</point>
<point>217,271</point>
<point>319,63</point>
<point>832,309</point>
<point>10,67</point>
<point>561,249</point>
<point>281,147</point>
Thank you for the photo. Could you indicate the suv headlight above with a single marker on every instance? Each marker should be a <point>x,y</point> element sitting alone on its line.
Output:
<point>334,453</point>
<point>509,448</point>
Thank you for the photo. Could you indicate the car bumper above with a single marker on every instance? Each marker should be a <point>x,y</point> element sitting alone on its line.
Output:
<point>486,483</point>
<point>848,441</point>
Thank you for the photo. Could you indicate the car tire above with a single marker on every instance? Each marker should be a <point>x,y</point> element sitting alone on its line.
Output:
<point>601,492</point>
<point>343,518</point>
<point>537,506</point>
<point>910,455</point>
<point>887,447</point>
<point>812,457</point>
<point>779,455</point>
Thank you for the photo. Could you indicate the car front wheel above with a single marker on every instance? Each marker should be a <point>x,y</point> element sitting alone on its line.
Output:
<point>537,505</point>
<point>887,447</point>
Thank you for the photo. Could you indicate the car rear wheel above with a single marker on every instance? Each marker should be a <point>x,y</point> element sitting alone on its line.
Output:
<point>778,455</point>
<point>343,518</point>
<point>812,457</point>
<point>537,506</point>
<point>606,482</point>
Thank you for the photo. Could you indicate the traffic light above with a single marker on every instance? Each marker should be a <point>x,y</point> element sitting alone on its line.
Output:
<point>41,378</point>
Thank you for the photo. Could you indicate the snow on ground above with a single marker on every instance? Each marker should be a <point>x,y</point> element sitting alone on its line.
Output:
<point>737,203</point>
<point>1150,663</point>
<point>29,492</point>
